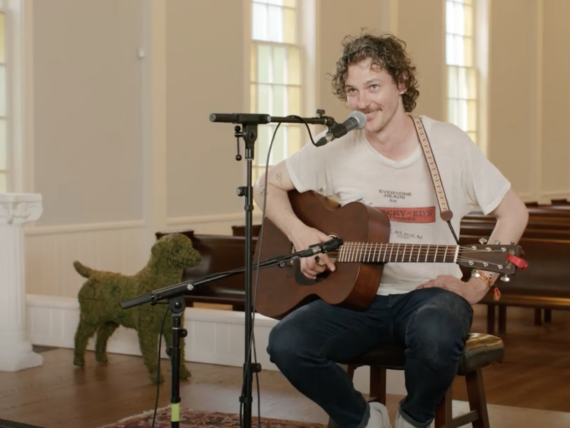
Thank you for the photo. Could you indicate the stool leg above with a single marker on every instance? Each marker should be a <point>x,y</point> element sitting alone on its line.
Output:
<point>490,319</point>
<point>378,384</point>
<point>537,317</point>
<point>443,413</point>
<point>477,400</point>
<point>502,319</point>
<point>548,315</point>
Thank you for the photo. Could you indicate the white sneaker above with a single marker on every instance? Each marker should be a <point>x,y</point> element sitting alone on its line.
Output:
<point>402,423</point>
<point>378,416</point>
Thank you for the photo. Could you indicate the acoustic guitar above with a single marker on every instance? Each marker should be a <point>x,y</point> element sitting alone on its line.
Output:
<point>359,261</point>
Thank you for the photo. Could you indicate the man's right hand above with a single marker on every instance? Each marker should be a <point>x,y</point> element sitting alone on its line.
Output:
<point>304,236</point>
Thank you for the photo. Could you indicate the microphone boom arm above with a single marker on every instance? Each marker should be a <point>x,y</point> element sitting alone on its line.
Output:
<point>185,286</point>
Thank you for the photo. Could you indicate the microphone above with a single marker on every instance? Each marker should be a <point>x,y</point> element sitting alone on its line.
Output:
<point>356,119</point>
<point>243,118</point>
<point>323,247</point>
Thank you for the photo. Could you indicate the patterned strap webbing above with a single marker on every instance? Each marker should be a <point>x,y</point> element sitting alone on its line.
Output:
<point>444,211</point>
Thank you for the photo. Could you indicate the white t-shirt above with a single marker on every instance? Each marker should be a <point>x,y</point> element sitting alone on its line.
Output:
<point>352,170</point>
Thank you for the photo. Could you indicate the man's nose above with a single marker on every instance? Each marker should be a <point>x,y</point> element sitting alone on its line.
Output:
<point>363,101</point>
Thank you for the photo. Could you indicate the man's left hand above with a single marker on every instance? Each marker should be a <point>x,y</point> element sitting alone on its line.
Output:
<point>472,291</point>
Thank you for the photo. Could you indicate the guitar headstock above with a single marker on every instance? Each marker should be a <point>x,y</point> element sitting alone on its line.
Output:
<point>498,258</point>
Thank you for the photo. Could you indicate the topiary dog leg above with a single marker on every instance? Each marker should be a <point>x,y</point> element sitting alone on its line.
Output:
<point>82,335</point>
<point>103,335</point>
<point>148,343</point>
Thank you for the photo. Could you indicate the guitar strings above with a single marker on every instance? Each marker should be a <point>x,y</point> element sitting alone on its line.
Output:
<point>367,251</point>
<point>409,248</point>
<point>395,244</point>
<point>421,260</point>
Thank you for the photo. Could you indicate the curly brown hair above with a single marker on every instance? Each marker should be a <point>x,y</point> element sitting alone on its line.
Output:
<point>386,51</point>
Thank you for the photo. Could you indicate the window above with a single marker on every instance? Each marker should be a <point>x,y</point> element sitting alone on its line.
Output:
<point>3,105</point>
<point>461,67</point>
<point>275,77</point>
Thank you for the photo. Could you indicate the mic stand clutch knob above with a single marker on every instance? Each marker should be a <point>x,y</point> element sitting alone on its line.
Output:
<point>238,134</point>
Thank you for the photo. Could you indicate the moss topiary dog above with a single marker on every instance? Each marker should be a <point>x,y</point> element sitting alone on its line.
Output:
<point>101,295</point>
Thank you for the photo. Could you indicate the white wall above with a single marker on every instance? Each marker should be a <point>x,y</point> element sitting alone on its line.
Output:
<point>421,24</point>
<point>513,92</point>
<point>205,53</point>
<point>528,96</point>
<point>87,94</point>
<point>555,143</point>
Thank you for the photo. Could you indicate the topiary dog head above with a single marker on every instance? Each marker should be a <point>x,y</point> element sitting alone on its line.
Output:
<point>175,251</point>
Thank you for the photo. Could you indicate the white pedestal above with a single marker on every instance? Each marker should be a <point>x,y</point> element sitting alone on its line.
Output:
<point>16,209</point>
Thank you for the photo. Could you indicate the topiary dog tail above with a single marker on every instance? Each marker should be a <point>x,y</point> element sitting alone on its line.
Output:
<point>82,270</point>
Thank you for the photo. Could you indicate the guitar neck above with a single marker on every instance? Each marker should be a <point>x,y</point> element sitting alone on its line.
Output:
<point>363,252</point>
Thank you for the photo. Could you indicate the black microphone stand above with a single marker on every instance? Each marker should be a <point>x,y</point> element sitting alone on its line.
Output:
<point>175,295</point>
<point>249,135</point>
<point>248,132</point>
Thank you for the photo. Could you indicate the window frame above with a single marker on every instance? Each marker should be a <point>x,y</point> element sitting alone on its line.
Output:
<point>260,156</point>
<point>479,53</point>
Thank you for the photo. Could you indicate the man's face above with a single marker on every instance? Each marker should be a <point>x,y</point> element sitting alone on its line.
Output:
<point>371,90</point>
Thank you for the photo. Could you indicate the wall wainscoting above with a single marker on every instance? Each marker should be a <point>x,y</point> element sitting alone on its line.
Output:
<point>51,251</point>
<point>547,196</point>
<point>214,336</point>
<point>115,247</point>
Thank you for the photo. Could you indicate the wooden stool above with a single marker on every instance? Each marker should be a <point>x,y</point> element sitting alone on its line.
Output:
<point>480,351</point>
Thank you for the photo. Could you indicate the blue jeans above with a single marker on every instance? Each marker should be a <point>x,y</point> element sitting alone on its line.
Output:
<point>431,323</point>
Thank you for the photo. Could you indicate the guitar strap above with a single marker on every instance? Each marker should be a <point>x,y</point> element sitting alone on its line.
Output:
<point>445,212</point>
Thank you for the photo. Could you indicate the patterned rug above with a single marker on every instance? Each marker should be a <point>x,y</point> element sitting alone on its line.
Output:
<point>198,418</point>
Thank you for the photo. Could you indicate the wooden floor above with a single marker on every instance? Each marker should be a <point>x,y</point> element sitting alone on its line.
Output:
<point>535,374</point>
<point>536,369</point>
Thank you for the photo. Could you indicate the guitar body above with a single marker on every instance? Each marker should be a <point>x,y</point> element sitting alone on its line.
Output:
<point>353,285</point>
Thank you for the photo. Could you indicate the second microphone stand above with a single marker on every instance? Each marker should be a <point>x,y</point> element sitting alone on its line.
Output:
<point>175,295</point>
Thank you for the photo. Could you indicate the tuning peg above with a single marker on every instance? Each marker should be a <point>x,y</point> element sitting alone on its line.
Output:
<point>483,241</point>
<point>505,278</point>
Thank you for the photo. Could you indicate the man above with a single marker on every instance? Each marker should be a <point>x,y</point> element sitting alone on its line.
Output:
<point>425,307</point>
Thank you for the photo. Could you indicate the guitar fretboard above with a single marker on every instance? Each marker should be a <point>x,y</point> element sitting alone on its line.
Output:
<point>363,252</point>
